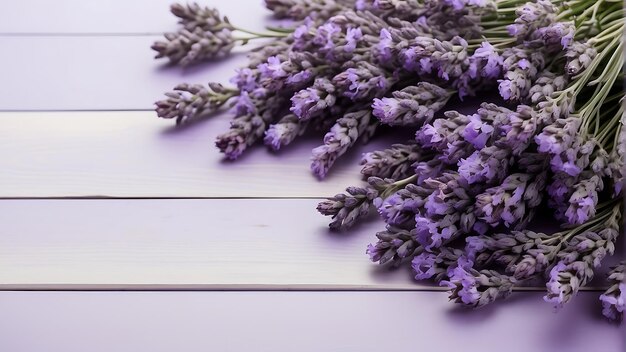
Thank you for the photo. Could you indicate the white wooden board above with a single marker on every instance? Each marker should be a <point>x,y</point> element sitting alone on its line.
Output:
<point>189,245</point>
<point>184,244</point>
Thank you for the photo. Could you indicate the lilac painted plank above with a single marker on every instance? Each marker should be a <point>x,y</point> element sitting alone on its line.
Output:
<point>184,244</point>
<point>296,321</point>
<point>94,73</point>
<point>134,154</point>
<point>112,16</point>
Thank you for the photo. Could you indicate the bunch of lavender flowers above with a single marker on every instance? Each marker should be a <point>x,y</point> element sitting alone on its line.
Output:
<point>459,201</point>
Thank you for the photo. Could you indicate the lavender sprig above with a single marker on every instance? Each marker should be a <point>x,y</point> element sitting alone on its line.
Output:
<point>189,102</point>
<point>614,298</point>
<point>411,106</point>
<point>395,163</point>
<point>341,137</point>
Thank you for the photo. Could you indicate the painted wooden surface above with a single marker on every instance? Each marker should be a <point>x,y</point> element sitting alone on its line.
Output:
<point>134,154</point>
<point>295,321</point>
<point>97,18</point>
<point>93,73</point>
<point>93,55</point>
<point>188,244</point>
<point>193,244</point>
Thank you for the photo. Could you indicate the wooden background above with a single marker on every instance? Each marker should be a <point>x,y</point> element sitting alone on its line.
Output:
<point>99,196</point>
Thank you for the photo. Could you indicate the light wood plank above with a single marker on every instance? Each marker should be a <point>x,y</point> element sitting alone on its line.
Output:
<point>184,244</point>
<point>112,16</point>
<point>187,245</point>
<point>296,321</point>
<point>134,154</point>
<point>94,73</point>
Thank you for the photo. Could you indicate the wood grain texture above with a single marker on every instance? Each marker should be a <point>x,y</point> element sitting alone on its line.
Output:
<point>134,154</point>
<point>184,244</point>
<point>95,17</point>
<point>296,321</point>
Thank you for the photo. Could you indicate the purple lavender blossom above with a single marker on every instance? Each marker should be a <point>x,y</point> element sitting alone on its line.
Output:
<point>313,101</point>
<point>614,298</point>
<point>245,79</point>
<point>272,69</point>
<point>244,105</point>
<point>353,36</point>
<point>557,294</point>
<point>488,165</point>
<point>342,136</point>
<point>394,246</point>
<point>411,106</point>
<point>583,202</point>
<point>385,46</point>
<point>476,289</point>
<point>424,266</point>
<point>477,132</point>
<point>365,81</point>
<point>579,57</point>
<point>284,131</point>
<point>520,69</point>
<point>614,303</point>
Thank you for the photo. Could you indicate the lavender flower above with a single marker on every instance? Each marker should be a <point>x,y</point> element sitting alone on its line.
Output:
<point>614,298</point>
<point>259,55</point>
<point>313,101</point>
<point>411,106</point>
<point>559,136</point>
<point>583,253</point>
<point>434,264</point>
<point>446,213</point>
<point>513,201</point>
<point>483,66</point>
<point>559,35</point>
<point>395,162</point>
<point>531,17</point>
<point>245,79</point>
<point>247,129</point>
<point>400,208</point>
<point>579,56</point>
<point>446,136</point>
<point>363,82</point>
<point>477,288</point>
<point>299,9</point>
<point>188,102</point>
<point>394,246</point>
<point>346,209</point>
<point>524,254</point>
<point>488,165</point>
<point>193,16</point>
<point>187,47</point>
<point>583,202</point>
<point>546,84</point>
<point>342,136</point>
<point>450,58</point>
<point>284,131</point>
<point>520,69</point>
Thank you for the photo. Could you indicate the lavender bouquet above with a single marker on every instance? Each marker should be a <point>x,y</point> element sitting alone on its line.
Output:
<point>459,199</point>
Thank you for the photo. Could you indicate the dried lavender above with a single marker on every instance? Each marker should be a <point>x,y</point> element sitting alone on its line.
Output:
<point>411,106</point>
<point>614,299</point>
<point>395,163</point>
<point>188,102</point>
<point>342,136</point>
<point>458,201</point>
